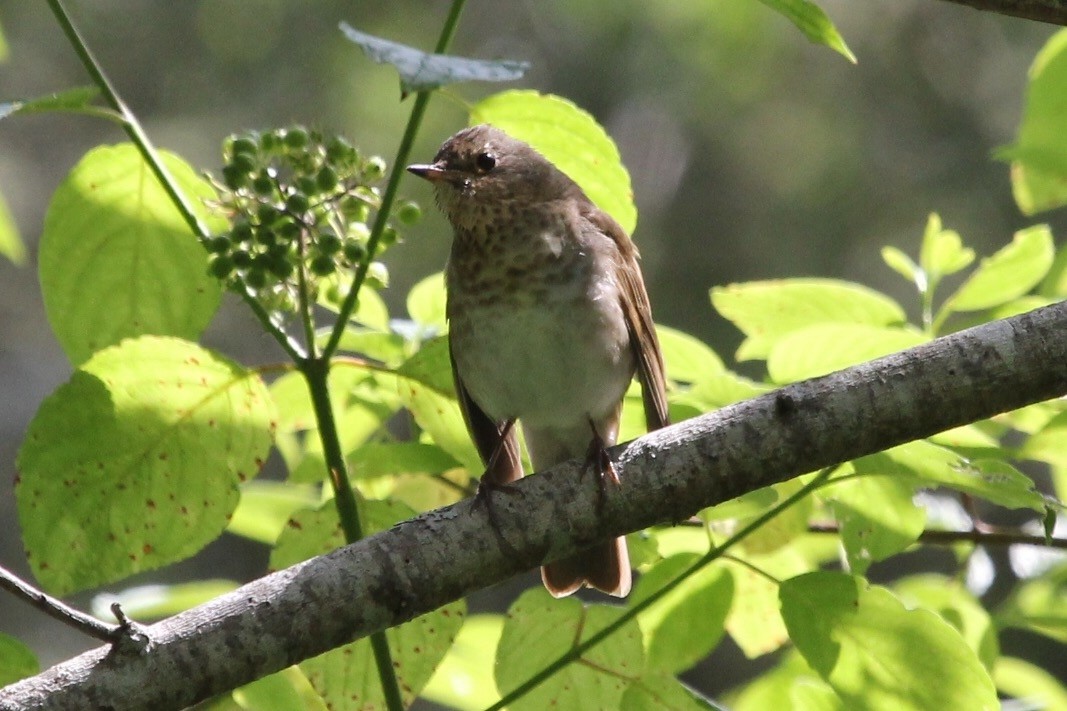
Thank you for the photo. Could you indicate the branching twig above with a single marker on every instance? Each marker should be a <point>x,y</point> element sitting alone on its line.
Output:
<point>982,538</point>
<point>56,609</point>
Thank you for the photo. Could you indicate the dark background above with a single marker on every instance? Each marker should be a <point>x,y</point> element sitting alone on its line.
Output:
<point>754,154</point>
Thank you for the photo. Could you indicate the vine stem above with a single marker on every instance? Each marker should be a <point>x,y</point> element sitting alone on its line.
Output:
<point>575,653</point>
<point>422,100</point>
<point>150,154</point>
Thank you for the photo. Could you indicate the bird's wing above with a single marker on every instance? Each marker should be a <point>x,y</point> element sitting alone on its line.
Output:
<point>638,311</point>
<point>501,457</point>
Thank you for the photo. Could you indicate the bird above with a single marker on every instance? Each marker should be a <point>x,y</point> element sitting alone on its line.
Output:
<point>548,323</point>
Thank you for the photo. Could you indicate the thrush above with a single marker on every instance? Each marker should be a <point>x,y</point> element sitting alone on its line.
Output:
<point>549,321</point>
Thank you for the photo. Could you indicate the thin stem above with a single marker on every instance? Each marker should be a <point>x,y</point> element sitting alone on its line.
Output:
<point>140,139</point>
<point>576,652</point>
<point>983,538</point>
<point>422,100</point>
<point>56,609</point>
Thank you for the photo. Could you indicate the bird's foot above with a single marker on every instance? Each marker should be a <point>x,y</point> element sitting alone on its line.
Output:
<point>600,462</point>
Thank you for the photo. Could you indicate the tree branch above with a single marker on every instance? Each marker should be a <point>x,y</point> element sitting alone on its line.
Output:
<point>1051,11</point>
<point>669,475</point>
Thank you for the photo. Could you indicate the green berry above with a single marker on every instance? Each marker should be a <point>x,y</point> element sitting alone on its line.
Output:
<point>263,184</point>
<point>354,251</point>
<point>322,265</point>
<point>326,179</point>
<point>296,138</point>
<point>373,169</point>
<point>267,214</point>
<point>256,278</point>
<point>408,213</point>
<point>234,178</point>
<point>280,267</point>
<point>338,150</point>
<point>219,244</point>
<point>243,162</point>
<point>266,236</point>
<point>389,237</point>
<point>269,142</point>
<point>243,145</point>
<point>221,266</point>
<point>307,185</point>
<point>241,231</point>
<point>377,276</point>
<point>241,259</point>
<point>288,228</point>
<point>329,243</point>
<point>297,203</point>
<point>354,209</point>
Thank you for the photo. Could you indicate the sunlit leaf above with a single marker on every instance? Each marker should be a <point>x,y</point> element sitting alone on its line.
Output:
<point>1008,274</point>
<point>767,310</point>
<point>1030,684</point>
<point>826,347</point>
<point>464,680</point>
<point>154,602</point>
<point>878,518</point>
<point>878,655</point>
<point>426,302</point>
<point>659,691</point>
<point>135,461</point>
<point>421,71</point>
<point>539,629</point>
<point>813,22</point>
<point>571,139</point>
<point>957,606</point>
<point>10,243</point>
<point>266,506</point>
<point>1039,154</point>
<point>116,258</point>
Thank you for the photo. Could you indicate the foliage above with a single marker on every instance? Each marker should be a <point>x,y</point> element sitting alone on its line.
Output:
<point>149,449</point>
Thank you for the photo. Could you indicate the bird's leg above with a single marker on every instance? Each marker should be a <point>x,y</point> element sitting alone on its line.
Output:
<point>600,461</point>
<point>489,483</point>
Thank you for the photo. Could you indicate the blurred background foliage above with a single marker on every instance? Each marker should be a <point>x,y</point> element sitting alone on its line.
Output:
<point>754,154</point>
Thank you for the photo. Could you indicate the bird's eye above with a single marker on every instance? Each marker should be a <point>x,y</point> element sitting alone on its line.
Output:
<point>485,161</point>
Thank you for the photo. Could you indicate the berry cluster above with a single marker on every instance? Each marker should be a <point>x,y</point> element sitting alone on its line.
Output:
<point>298,204</point>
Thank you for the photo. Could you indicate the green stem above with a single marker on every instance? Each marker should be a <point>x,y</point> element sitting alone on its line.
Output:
<point>422,100</point>
<point>632,612</point>
<point>140,139</point>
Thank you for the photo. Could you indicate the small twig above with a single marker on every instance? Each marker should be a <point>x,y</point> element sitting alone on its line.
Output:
<point>985,538</point>
<point>1052,11</point>
<point>56,609</point>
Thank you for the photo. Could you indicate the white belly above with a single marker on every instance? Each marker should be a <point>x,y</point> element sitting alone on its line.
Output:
<point>550,364</point>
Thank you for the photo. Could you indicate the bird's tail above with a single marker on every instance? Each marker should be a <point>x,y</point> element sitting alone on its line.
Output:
<point>605,566</point>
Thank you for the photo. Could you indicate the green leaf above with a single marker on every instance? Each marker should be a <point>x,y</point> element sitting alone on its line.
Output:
<point>430,366</point>
<point>571,139</point>
<point>135,461</point>
<point>421,71</point>
<point>377,459</point>
<point>116,258</point>
<point>933,465</point>
<point>754,622</point>
<point>791,685</point>
<point>767,310</point>
<point>266,506</point>
<point>10,243</point>
<point>1039,605</point>
<point>346,677</point>
<point>426,302</point>
<point>826,347</point>
<point>154,602</point>
<point>1039,154</point>
<point>878,655</point>
<point>942,252</point>
<point>1008,274</point>
<point>684,625</point>
<point>464,679</point>
<point>902,264</point>
<point>17,661</point>
<point>956,606</point>
<point>813,22</point>
<point>78,100</point>
<point>662,692</point>
<point>370,310</point>
<point>687,359</point>
<point>1029,683</point>
<point>878,518</point>
<point>540,629</point>
<point>287,690</point>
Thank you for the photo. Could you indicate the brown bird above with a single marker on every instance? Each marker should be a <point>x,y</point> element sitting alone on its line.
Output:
<point>548,323</point>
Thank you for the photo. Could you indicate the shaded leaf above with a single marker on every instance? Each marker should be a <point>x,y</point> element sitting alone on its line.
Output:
<point>77,100</point>
<point>571,139</point>
<point>662,692</point>
<point>135,461</point>
<point>17,661</point>
<point>421,71</point>
<point>878,518</point>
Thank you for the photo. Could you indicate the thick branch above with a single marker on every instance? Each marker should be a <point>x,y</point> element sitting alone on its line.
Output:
<point>1051,11</point>
<point>667,476</point>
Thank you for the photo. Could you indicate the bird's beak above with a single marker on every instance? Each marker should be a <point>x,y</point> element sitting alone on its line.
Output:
<point>434,172</point>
